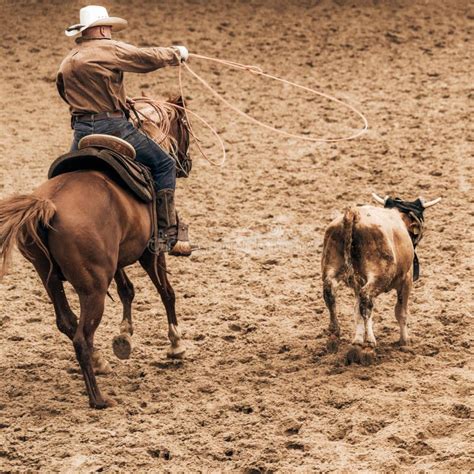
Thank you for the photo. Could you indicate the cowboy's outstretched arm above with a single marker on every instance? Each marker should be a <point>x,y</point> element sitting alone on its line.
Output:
<point>132,59</point>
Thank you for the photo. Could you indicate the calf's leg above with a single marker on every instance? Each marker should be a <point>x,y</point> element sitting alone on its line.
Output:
<point>401,309</point>
<point>355,350</point>
<point>329,294</point>
<point>364,341</point>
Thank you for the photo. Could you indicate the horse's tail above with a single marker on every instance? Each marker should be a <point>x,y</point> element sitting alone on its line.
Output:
<point>350,217</point>
<point>20,220</point>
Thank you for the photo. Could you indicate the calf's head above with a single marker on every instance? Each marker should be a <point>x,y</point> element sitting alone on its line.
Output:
<point>412,213</point>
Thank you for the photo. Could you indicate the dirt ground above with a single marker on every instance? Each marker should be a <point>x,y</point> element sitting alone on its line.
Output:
<point>257,392</point>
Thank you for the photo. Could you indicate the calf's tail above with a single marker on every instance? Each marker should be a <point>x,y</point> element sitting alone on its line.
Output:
<point>20,219</point>
<point>351,216</point>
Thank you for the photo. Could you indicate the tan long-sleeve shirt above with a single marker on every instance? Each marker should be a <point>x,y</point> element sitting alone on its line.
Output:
<point>90,78</point>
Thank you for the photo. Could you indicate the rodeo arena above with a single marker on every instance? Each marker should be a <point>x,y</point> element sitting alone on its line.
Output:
<point>236,236</point>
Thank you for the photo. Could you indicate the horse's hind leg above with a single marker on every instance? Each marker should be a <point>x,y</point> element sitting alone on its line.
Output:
<point>122,344</point>
<point>66,320</point>
<point>161,282</point>
<point>92,308</point>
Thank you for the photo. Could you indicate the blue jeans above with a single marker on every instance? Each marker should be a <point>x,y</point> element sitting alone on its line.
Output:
<point>162,165</point>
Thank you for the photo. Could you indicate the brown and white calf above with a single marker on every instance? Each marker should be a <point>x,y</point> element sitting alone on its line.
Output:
<point>372,250</point>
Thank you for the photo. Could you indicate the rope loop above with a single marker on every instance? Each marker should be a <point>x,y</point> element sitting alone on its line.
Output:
<point>259,72</point>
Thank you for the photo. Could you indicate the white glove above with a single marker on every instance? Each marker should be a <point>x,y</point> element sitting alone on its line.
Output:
<point>183,52</point>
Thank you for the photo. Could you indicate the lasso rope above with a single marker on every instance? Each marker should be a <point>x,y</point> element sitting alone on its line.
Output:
<point>163,112</point>
<point>212,129</point>
<point>256,70</point>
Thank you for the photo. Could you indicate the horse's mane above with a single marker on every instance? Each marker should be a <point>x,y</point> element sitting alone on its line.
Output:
<point>156,116</point>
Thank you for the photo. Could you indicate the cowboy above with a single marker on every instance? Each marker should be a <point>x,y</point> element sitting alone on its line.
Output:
<point>90,80</point>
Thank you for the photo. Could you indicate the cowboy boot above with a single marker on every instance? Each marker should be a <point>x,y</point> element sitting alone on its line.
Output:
<point>174,233</point>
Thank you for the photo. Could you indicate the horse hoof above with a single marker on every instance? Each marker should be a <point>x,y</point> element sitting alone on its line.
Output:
<point>353,355</point>
<point>332,344</point>
<point>122,346</point>
<point>103,368</point>
<point>105,402</point>
<point>99,364</point>
<point>176,352</point>
<point>367,356</point>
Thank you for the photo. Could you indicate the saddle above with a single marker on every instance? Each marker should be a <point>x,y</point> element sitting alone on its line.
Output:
<point>112,156</point>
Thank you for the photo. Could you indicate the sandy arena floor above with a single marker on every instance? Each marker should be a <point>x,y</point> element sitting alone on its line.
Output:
<point>257,392</point>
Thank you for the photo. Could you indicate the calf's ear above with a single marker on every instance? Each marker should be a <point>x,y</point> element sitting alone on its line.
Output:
<point>414,228</point>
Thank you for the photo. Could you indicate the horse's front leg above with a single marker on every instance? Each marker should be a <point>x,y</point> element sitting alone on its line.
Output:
<point>122,344</point>
<point>157,273</point>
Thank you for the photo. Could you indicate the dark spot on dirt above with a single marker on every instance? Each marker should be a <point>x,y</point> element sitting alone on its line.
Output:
<point>461,411</point>
<point>159,453</point>
<point>244,409</point>
<point>420,448</point>
<point>295,445</point>
<point>172,364</point>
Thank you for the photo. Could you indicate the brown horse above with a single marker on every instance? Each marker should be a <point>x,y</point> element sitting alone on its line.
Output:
<point>83,228</point>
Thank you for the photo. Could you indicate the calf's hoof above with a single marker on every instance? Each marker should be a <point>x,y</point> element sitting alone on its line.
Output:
<point>367,356</point>
<point>122,346</point>
<point>403,342</point>
<point>353,355</point>
<point>177,352</point>
<point>332,344</point>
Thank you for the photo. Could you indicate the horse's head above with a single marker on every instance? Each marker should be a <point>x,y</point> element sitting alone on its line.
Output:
<point>180,132</point>
<point>165,122</point>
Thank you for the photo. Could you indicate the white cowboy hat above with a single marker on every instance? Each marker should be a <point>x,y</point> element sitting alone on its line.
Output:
<point>93,15</point>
